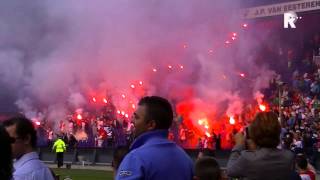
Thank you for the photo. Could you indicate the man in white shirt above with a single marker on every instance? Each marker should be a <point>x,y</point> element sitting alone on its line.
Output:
<point>27,165</point>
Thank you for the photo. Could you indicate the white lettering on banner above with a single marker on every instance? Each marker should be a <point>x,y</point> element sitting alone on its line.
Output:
<point>281,8</point>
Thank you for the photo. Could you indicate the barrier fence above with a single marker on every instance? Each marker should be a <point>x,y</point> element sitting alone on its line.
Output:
<point>103,156</point>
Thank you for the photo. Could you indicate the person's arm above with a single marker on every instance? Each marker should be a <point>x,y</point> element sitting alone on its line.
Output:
<point>131,168</point>
<point>38,174</point>
<point>236,166</point>
<point>43,173</point>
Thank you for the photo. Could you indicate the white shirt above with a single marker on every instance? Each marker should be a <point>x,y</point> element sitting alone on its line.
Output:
<point>29,167</point>
<point>71,127</point>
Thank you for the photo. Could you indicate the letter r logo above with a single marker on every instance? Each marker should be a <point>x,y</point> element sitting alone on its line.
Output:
<point>289,18</point>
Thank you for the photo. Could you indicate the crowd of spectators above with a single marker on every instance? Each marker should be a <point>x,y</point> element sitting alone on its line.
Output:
<point>104,129</point>
<point>295,97</point>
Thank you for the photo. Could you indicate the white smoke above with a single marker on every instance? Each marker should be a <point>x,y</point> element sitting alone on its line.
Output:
<point>235,106</point>
<point>76,100</point>
<point>55,54</point>
<point>259,97</point>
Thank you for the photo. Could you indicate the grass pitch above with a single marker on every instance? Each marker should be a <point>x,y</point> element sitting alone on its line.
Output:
<point>83,174</point>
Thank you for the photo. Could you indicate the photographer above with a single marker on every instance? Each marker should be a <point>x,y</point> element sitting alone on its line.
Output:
<point>262,159</point>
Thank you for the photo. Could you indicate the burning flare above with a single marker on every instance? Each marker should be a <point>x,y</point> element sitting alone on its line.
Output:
<point>105,100</point>
<point>231,120</point>
<point>79,116</point>
<point>262,107</point>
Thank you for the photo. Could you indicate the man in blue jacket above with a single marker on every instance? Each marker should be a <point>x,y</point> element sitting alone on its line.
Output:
<point>152,155</point>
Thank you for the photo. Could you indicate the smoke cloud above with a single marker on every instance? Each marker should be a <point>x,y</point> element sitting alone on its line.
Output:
<point>54,55</point>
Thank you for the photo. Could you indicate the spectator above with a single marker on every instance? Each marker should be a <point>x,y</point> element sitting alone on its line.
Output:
<point>5,155</point>
<point>72,141</point>
<point>152,155</point>
<point>266,162</point>
<point>304,168</point>
<point>50,137</point>
<point>118,155</point>
<point>200,145</point>
<point>287,141</point>
<point>297,142</point>
<point>27,165</point>
<point>207,168</point>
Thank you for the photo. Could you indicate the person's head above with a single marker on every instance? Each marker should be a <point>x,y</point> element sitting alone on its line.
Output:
<point>152,113</point>
<point>207,168</point>
<point>22,131</point>
<point>5,155</point>
<point>118,155</point>
<point>301,162</point>
<point>265,130</point>
<point>288,140</point>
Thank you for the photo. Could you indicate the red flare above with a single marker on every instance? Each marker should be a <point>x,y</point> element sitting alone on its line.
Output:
<point>262,107</point>
<point>231,120</point>
<point>79,116</point>
<point>208,134</point>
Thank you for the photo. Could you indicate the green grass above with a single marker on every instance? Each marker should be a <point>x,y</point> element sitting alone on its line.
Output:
<point>83,174</point>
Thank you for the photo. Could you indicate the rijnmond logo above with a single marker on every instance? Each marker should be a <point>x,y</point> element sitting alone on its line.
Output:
<point>289,19</point>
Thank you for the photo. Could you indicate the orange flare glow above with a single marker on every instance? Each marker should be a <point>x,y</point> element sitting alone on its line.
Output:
<point>79,116</point>
<point>231,120</point>
<point>262,107</point>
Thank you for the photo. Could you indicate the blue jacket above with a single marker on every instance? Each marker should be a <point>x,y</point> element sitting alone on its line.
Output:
<point>153,156</point>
